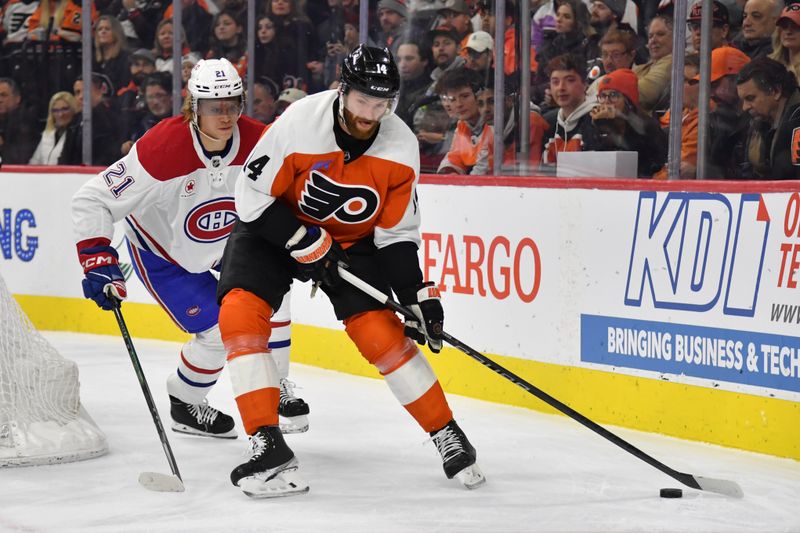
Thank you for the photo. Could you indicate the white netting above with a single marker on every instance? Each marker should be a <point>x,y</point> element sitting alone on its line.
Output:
<point>41,417</point>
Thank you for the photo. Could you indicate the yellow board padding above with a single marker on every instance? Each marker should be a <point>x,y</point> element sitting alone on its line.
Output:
<point>748,422</point>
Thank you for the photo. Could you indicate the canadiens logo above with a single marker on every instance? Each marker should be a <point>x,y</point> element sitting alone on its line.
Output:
<point>211,221</point>
<point>322,198</point>
<point>193,310</point>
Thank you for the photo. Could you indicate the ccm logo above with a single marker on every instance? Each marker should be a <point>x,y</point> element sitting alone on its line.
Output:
<point>98,260</point>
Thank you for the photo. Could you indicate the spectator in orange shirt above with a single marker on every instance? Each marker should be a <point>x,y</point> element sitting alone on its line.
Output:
<point>691,90</point>
<point>66,16</point>
<point>460,87</point>
<point>537,128</point>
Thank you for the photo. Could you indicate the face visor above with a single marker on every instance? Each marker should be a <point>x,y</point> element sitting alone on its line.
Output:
<point>218,107</point>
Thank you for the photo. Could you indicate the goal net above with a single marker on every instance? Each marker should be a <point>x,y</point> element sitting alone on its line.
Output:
<point>41,417</point>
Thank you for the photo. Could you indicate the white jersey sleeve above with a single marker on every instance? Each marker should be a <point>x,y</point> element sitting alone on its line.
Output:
<point>110,196</point>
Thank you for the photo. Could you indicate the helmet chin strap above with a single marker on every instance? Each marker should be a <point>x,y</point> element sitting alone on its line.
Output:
<point>204,134</point>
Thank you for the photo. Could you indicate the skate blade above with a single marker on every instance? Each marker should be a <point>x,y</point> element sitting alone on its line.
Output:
<point>161,482</point>
<point>285,483</point>
<point>294,424</point>
<point>188,430</point>
<point>471,477</point>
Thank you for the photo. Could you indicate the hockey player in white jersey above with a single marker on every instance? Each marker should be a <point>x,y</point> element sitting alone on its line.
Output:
<point>174,194</point>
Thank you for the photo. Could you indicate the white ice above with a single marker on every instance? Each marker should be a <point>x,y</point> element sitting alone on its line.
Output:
<point>370,469</point>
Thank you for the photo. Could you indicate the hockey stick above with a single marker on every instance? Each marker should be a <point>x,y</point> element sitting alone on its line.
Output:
<point>720,486</point>
<point>151,480</point>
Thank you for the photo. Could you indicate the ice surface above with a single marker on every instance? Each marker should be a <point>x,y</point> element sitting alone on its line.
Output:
<point>370,469</point>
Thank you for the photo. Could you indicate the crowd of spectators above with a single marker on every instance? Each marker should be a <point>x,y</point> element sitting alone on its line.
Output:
<point>600,76</point>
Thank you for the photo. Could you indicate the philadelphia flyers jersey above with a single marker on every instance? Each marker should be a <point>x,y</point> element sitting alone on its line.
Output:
<point>299,162</point>
<point>176,200</point>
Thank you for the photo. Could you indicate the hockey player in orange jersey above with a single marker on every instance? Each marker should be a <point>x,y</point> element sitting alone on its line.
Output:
<point>334,180</point>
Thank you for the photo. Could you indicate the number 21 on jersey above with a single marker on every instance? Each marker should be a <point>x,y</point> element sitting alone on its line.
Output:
<point>112,176</point>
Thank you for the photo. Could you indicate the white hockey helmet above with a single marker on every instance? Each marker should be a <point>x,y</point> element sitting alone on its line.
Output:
<point>214,78</point>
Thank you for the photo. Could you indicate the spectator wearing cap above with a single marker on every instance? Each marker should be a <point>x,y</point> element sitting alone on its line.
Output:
<point>720,27</point>
<point>460,88</point>
<point>570,37</point>
<point>479,47</point>
<point>106,134</point>
<point>412,63</point>
<point>655,75</point>
<point>455,13</point>
<point>622,126</point>
<point>787,40</point>
<point>606,16</point>
<point>728,124</point>
<point>444,51</point>
<point>769,94</point>
<point>570,127</point>
<point>287,98</point>
<point>393,20</point>
<point>130,99</point>
<point>265,95</point>
<point>487,17</point>
<point>759,20</point>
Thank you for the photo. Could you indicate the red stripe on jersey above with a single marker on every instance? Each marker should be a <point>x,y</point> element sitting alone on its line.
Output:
<point>155,244</point>
<point>157,150</point>
<point>280,324</point>
<point>197,369</point>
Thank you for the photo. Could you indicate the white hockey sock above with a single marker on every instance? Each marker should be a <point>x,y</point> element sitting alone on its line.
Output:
<point>202,360</point>
<point>280,340</point>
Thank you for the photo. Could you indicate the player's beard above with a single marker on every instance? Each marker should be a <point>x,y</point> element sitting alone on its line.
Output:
<point>352,126</point>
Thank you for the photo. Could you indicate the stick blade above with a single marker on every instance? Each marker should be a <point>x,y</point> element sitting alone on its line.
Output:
<point>720,486</point>
<point>161,482</point>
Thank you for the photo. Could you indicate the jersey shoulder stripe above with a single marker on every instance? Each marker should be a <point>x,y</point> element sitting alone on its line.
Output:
<point>158,148</point>
<point>250,131</point>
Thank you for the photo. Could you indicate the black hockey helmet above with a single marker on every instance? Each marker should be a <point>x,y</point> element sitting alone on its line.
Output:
<point>371,71</point>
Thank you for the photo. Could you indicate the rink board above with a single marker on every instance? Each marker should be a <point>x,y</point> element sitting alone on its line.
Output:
<point>633,302</point>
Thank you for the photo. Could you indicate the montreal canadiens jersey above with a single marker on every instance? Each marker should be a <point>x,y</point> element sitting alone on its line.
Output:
<point>174,200</point>
<point>299,161</point>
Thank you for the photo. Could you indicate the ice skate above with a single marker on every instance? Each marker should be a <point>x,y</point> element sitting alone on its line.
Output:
<point>458,455</point>
<point>271,471</point>
<point>200,419</point>
<point>292,411</point>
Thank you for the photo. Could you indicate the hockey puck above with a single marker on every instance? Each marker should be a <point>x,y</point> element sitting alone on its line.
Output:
<point>671,493</point>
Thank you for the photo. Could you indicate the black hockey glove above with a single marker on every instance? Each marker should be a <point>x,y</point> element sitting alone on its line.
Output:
<point>318,255</point>
<point>425,301</point>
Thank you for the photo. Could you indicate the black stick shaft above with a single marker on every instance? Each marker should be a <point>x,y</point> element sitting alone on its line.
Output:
<point>137,367</point>
<point>686,479</point>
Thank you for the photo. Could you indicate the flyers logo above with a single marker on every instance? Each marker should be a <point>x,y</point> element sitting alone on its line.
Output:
<point>323,198</point>
<point>796,147</point>
<point>557,144</point>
